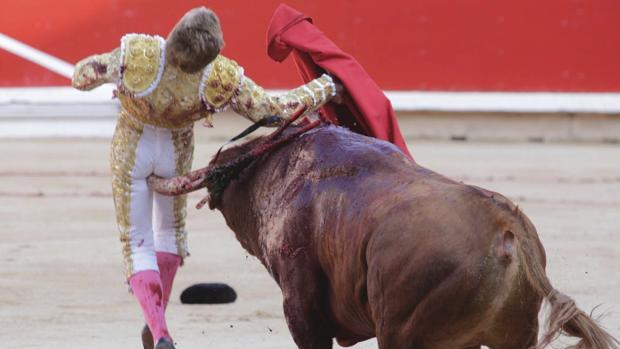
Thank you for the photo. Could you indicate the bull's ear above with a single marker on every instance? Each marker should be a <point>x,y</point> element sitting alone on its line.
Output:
<point>208,293</point>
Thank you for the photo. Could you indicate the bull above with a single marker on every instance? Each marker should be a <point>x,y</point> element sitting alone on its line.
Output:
<point>364,242</point>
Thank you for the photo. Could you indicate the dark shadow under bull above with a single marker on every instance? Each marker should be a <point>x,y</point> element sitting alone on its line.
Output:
<point>364,242</point>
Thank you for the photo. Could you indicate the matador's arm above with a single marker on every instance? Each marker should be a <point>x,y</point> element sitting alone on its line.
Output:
<point>252,102</point>
<point>97,70</point>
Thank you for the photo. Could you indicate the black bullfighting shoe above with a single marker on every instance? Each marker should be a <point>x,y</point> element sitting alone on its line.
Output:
<point>164,344</point>
<point>147,338</point>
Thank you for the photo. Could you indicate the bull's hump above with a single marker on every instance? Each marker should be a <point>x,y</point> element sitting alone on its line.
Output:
<point>334,145</point>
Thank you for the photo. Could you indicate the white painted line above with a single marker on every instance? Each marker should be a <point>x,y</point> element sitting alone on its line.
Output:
<point>514,102</point>
<point>56,95</point>
<point>85,128</point>
<point>523,102</point>
<point>58,112</point>
<point>36,56</point>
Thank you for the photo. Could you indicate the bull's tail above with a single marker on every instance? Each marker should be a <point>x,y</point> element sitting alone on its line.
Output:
<point>564,317</point>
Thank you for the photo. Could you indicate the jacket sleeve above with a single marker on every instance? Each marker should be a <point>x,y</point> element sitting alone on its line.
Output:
<point>252,102</point>
<point>97,70</point>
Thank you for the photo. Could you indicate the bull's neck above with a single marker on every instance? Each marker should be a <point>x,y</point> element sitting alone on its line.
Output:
<point>244,223</point>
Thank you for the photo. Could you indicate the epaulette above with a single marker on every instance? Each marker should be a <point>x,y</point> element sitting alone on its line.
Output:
<point>220,80</point>
<point>143,58</point>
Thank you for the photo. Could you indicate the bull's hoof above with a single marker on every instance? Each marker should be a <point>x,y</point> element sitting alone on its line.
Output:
<point>210,293</point>
<point>164,344</point>
<point>147,338</point>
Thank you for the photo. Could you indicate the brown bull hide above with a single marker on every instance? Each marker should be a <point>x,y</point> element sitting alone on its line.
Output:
<point>363,242</point>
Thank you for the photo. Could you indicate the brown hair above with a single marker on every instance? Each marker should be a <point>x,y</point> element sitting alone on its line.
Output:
<point>195,40</point>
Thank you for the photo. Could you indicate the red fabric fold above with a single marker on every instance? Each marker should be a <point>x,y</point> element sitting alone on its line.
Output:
<point>366,109</point>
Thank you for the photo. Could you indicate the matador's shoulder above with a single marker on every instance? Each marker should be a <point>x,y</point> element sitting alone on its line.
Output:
<point>142,59</point>
<point>220,80</point>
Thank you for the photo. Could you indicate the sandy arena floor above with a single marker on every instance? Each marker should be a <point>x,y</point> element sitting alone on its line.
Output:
<point>61,279</point>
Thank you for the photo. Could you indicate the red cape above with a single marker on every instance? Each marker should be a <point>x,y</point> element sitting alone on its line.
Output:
<point>366,109</point>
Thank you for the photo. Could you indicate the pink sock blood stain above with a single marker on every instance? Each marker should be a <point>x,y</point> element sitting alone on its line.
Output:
<point>155,294</point>
<point>147,288</point>
<point>168,265</point>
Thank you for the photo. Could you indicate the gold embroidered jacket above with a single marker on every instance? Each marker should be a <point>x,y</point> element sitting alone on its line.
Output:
<point>162,95</point>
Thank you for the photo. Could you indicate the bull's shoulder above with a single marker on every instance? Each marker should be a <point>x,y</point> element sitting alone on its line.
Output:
<point>333,145</point>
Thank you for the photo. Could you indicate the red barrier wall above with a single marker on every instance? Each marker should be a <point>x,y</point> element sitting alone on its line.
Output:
<point>452,45</point>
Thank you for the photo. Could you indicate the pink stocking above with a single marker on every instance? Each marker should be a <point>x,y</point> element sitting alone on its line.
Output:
<point>168,264</point>
<point>147,287</point>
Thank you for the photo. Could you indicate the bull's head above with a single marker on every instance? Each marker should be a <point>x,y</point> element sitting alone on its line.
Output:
<point>218,174</point>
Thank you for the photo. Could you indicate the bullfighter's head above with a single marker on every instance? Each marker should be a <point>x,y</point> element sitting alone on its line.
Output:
<point>195,40</point>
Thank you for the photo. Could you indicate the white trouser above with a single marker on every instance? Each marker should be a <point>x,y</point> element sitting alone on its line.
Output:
<point>148,221</point>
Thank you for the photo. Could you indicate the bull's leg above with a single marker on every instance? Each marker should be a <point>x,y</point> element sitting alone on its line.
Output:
<point>429,308</point>
<point>518,316</point>
<point>525,337</point>
<point>305,304</point>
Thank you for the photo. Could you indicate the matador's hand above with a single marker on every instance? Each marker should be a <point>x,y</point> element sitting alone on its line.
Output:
<point>339,96</point>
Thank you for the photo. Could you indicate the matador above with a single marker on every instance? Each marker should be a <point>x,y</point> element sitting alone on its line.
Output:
<point>164,86</point>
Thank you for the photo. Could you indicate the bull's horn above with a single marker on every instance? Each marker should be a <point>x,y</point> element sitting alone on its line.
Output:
<point>188,183</point>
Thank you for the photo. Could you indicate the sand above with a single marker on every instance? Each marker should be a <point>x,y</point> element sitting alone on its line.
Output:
<point>61,275</point>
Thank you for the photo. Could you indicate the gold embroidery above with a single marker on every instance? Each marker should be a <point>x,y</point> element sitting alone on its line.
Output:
<point>316,93</point>
<point>142,62</point>
<point>136,107</point>
<point>221,82</point>
<point>183,141</point>
<point>173,104</point>
<point>317,90</point>
<point>123,157</point>
<point>254,103</point>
